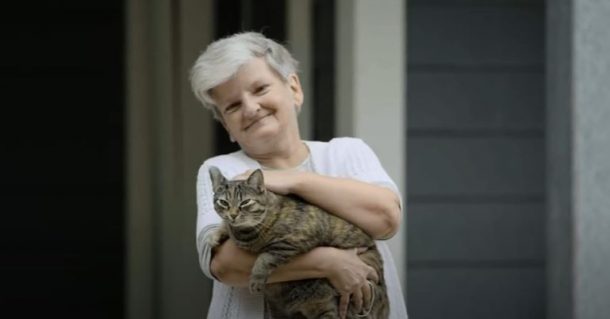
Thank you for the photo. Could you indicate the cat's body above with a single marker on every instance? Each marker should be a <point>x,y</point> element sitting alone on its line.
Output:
<point>278,228</point>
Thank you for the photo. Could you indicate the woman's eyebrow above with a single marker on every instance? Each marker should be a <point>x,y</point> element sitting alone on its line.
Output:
<point>258,82</point>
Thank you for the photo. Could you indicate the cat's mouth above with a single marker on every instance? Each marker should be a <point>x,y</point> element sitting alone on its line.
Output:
<point>243,223</point>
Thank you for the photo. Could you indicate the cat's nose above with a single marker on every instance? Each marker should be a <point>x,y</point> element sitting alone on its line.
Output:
<point>232,215</point>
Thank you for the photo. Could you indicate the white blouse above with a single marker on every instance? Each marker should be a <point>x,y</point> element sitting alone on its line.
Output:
<point>340,157</point>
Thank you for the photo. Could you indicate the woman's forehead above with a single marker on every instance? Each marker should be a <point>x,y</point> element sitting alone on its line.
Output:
<point>248,75</point>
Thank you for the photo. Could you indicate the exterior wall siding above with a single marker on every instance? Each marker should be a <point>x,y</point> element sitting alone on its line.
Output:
<point>475,172</point>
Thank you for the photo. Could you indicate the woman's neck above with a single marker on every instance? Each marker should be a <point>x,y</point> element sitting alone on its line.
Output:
<point>285,155</point>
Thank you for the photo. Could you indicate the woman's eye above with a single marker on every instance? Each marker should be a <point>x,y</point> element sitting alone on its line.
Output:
<point>222,203</point>
<point>246,203</point>
<point>232,108</point>
<point>261,89</point>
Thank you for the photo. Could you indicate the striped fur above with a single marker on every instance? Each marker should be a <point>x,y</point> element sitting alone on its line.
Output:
<point>278,228</point>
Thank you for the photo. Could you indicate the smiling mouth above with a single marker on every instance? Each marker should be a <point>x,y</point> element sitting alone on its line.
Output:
<point>255,121</point>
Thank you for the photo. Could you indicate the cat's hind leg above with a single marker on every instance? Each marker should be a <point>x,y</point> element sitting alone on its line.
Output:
<point>327,312</point>
<point>319,303</point>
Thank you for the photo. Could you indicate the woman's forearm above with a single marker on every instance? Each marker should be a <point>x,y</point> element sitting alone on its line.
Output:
<point>343,268</point>
<point>313,264</point>
<point>373,208</point>
<point>232,265</point>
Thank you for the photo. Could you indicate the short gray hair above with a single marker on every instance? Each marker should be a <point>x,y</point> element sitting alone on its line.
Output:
<point>222,58</point>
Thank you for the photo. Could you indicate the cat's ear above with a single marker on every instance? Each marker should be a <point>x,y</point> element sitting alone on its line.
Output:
<point>217,179</point>
<point>256,180</point>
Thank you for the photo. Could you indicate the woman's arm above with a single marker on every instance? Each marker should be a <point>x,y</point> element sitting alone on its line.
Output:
<point>345,271</point>
<point>343,268</point>
<point>232,266</point>
<point>375,209</point>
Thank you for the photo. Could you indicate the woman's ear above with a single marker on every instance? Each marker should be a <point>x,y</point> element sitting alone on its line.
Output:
<point>296,89</point>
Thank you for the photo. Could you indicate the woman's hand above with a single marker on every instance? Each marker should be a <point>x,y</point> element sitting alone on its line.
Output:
<point>350,275</point>
<point>279,182</point>
<point>231,265</point>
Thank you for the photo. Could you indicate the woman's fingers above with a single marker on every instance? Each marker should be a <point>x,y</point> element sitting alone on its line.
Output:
<point>366,296</point>
<point>243,175</point>
<point>276,181</point>
<point>361,250</point>
<point>372,275</point>
<point>343,303</point>
<point>357,299</point>
<point>351,277</point>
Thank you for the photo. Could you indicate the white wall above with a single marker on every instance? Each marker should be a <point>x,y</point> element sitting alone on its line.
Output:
<point>370,95</point>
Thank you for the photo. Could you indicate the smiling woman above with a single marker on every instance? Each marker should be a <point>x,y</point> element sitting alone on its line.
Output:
<point>258,108</point>
<point>250,84</point>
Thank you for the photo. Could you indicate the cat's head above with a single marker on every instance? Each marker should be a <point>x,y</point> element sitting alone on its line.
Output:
<point>240,202</point>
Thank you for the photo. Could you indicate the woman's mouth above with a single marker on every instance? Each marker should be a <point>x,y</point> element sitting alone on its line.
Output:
<point>253,123</point>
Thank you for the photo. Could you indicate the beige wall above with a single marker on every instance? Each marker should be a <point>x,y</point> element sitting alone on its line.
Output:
<point>370,96</point>
<point>169,135</point>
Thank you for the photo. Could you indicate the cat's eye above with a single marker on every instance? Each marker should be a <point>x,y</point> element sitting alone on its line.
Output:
<point>246,203</point>
<point>222,203</point>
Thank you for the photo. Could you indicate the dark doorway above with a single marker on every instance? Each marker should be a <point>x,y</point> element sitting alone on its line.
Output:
<point>62,193</point>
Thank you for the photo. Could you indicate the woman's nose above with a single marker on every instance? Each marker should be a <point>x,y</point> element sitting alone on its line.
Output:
<point>250,106</point>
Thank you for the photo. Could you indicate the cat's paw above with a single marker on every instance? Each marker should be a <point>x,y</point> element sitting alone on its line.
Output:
<point>257,285</point>
<point>212,240</point>
<point>217,238</point>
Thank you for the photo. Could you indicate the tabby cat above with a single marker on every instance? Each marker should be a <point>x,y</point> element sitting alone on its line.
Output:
<point>278,228</point>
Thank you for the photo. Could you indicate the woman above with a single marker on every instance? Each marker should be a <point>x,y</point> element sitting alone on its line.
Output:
<point>250,84</point>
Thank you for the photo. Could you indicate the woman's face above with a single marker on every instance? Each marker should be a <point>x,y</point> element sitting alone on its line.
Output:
<point>256,106</point>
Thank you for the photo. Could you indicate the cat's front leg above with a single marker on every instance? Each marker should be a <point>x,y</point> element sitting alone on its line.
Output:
<point>264,265</point>
<point>218,236</point>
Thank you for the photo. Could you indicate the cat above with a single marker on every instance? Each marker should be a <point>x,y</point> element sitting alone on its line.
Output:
<point>278,228</point>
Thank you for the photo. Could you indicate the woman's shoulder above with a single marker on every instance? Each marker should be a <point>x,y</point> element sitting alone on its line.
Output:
<point>338,143</point>
<point>229,164</point>
<point>339,155</point>
<point>340,148</point>
<point>223,160</point>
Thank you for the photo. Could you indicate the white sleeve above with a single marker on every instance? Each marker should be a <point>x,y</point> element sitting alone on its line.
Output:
<point>207,218</point>
<point>358,161</point>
